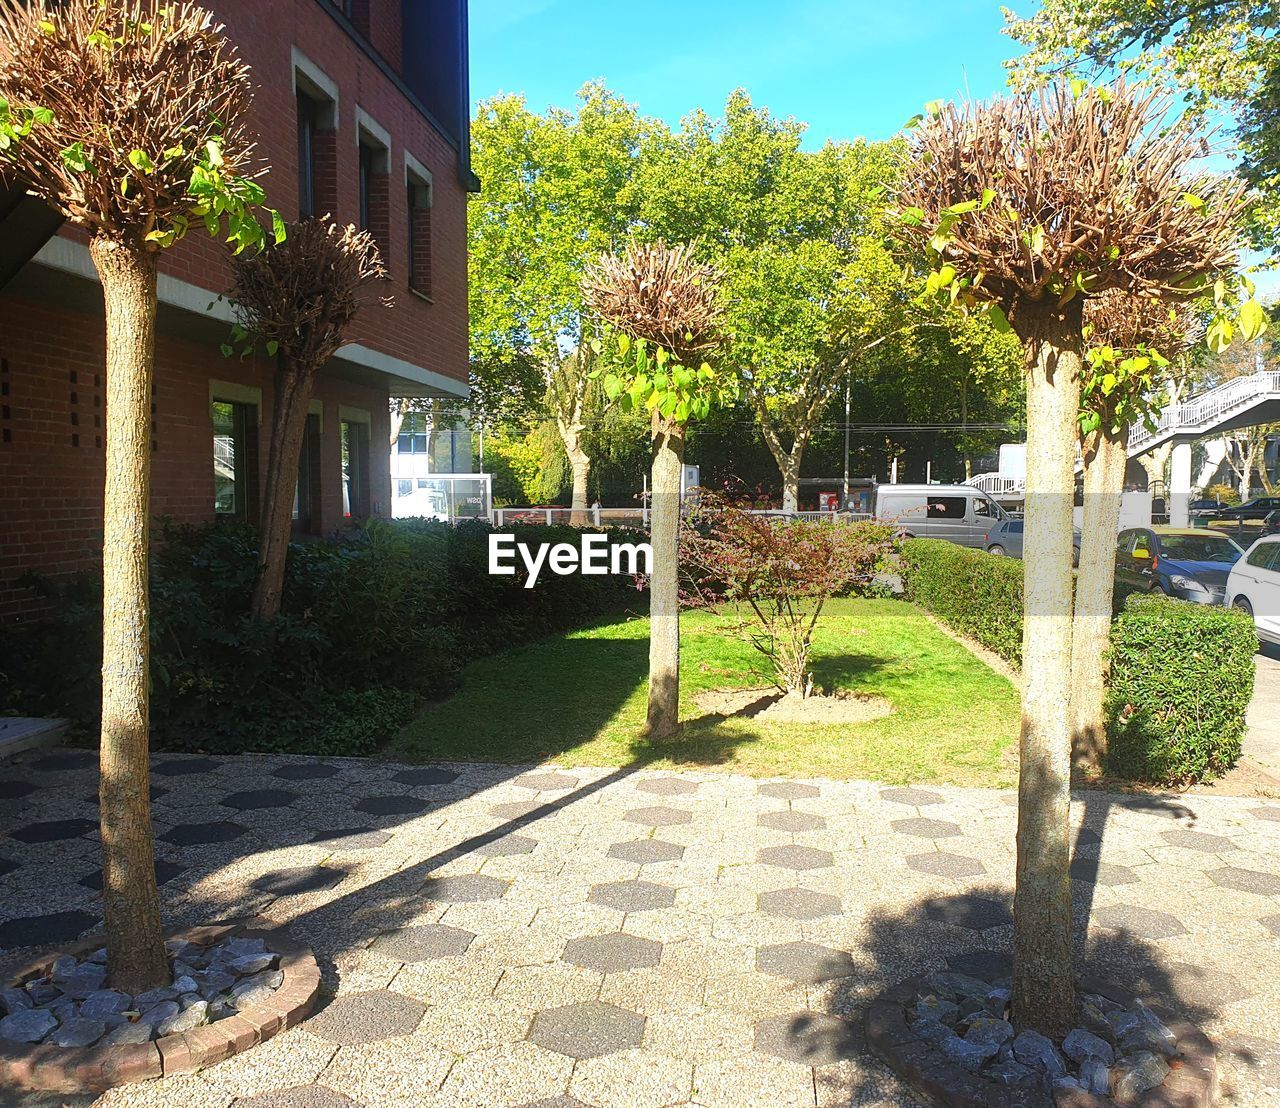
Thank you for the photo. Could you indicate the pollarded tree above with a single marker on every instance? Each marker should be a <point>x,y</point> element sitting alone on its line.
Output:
<point>1031,204</point>
<point>664,308</point>
<point>128,117</point>
<point>298,298</point>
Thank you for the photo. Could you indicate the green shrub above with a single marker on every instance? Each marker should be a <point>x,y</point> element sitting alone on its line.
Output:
<point>1182,677</point>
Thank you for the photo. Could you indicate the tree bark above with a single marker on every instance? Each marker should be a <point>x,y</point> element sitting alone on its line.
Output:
<point>136,958</point>
<point>293,387</point>
<point>787,461</point>
<point>664,587</point>
<point>1043,984</point>
<point>1155,464</point>
<point>580,466</point>
<point>1105,458</point>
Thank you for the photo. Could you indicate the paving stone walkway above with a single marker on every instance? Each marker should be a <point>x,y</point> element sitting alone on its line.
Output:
<point>503,936</point>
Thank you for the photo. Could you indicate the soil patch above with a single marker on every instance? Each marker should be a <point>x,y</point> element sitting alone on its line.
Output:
<point>771,706</point>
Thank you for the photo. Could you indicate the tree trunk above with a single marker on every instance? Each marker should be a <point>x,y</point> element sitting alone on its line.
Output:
<point>664,586</point>
<point>1106,457</point>
<point>1043,984</point>
<point>1155,464</point>
<point>580,466</point>
<point>791,484</point>
<point>787,461</point>
<point>293,385</point>
<point>136,958</point>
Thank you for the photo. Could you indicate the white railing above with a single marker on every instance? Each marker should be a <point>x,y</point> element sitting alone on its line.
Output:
<point>1201,413</point>
<point>993,484</point>
<point>639,517</point>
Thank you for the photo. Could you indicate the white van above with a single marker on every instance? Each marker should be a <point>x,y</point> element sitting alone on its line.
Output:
<point>957,513</point>
<point>1253,586</point>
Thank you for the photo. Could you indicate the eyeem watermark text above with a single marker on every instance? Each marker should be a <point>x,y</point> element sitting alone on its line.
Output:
<point>594,555</point>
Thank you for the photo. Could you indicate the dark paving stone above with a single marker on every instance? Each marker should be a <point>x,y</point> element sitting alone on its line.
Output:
<point>7,865</point>
<point>366,1018</point>
<point>54,830</point>
<point>351,838</point>
<point>506,845</point>
<point>1198,840</point>
<point>464,888</point>
<point>1269,813</point>
<point>587,1030</point>
<point>612,953</point>
<point>645,851</point>
<point>253,799</point>
<point>1146,923</point>
<point>181,767</point>
<point>942,864</point>
<point>1272,924</point>
<point>1246,880</point>
<point>516,809</point>
<point>791,821</point>
<point>546,782</point>
<point>15,790</point>
<point>986,965</point>
<point>667,786</point>
<point>300,1096</point>
<point>27,1098</point>
<point>658,816</point>
<point>788,790</point>
<point>1093,872</point>
<point>795,857</point>
<point>165,872</point>
<point>65,759</point>
<point>46,930</point>
<point>1087,837</point>
<point>809,1038</point>
<point>426,775</point>
<point>201,834</point>
<point>804,962</point>
<point>425,943</point>
<point>305,771</point>
<point>926,828</point>
<point>975,913</point>
<point>798,904</point>
<point>394,805</point>
<point>298,879</point>
<point>916,798</point>
<point>633,896</point>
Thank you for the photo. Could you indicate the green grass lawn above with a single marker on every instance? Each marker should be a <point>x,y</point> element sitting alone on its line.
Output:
<point>580,700</point>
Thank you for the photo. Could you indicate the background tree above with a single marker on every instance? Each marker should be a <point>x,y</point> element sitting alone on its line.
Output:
<point>664,308</point>
<point>298,298</point>
<point>1029,205</point>
<point>128,117</point>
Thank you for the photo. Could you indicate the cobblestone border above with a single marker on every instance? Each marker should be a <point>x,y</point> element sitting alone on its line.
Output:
<point>54,1069</point>
<point>1192,1081</point>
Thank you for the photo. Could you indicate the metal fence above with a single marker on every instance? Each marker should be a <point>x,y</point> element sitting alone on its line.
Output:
<point>639,517</point>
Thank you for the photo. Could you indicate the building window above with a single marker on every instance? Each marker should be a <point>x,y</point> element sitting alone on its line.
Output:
<point>374,169</point>
<point>317,121</point>
<point>235,464</point>
<point>306,495</point>
<point>355,469</point>
<point>414,437</point>
<point>308,116</point>
<point>418,203</point>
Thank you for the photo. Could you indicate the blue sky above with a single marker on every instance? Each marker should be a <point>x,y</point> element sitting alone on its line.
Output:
<point>846,67</point>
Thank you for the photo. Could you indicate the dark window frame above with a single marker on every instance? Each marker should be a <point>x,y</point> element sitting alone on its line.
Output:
<point>244,459</point>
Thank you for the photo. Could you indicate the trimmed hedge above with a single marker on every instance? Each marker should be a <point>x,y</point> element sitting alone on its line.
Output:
<point>1181,673</point>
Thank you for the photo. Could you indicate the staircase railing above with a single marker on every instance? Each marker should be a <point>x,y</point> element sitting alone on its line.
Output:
<point>1203,411</point>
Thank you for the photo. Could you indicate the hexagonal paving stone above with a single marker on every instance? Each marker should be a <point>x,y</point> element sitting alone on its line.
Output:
<point>516,809</point>
<point>658,816</point>
<point>1198,840</point>
<point>165,872</point>
<point>986,965</point>
<point>795,857</point>
<point>942,864</point>
<point>366,1018</point>
<point>667,786</point>
<point>546,782</point>
<point>253,799</point>
<point>394,805</point>
<point>15,789</point>
<point>975,913</point>
<point>587,1030</point>
<point>798,904</point>
<point>182,767</point>
<point>916,798</point>
<point>804,962</point>
<point>791,821</point>
<point>1246,880</point>
<point>65,759</point>
<point>646,851</point>
<point>633,896</point>
<point>926,828</point>
<point>1146,923</point>
<point>54,927</point>
<point>300,1096</point>
<point>464,888</point>
<point>809,1038</point>
<point>426,775</point>
<point>1269,813</point>
<point>788,790</point>
<point>351,838</point>
<point>424,943</point>
<point>8,865</point>
<point>505,845</point>
<point>1093,872</point>
<point>1271,923</point>
<point>298,879</point>
<point>305,771</point>
<point>53,830</point>
<point>612,953</point>
<point>201,834</point>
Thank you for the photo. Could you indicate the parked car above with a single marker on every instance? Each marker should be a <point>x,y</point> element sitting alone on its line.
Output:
<point>1189,564</point>
<point>1254,587</point>
<point>1205,508</point>
<point>958,513</point>
<point>1271,525</point>
<point>1005,538</point>
<point>1258,508</point>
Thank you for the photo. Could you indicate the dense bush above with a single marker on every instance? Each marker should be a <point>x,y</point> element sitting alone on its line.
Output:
<point>373,621</point>
<point>1182,677</point>
<point>1181,673</point>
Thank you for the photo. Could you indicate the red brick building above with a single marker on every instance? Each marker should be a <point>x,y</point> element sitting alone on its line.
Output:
<point>362,111</point>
